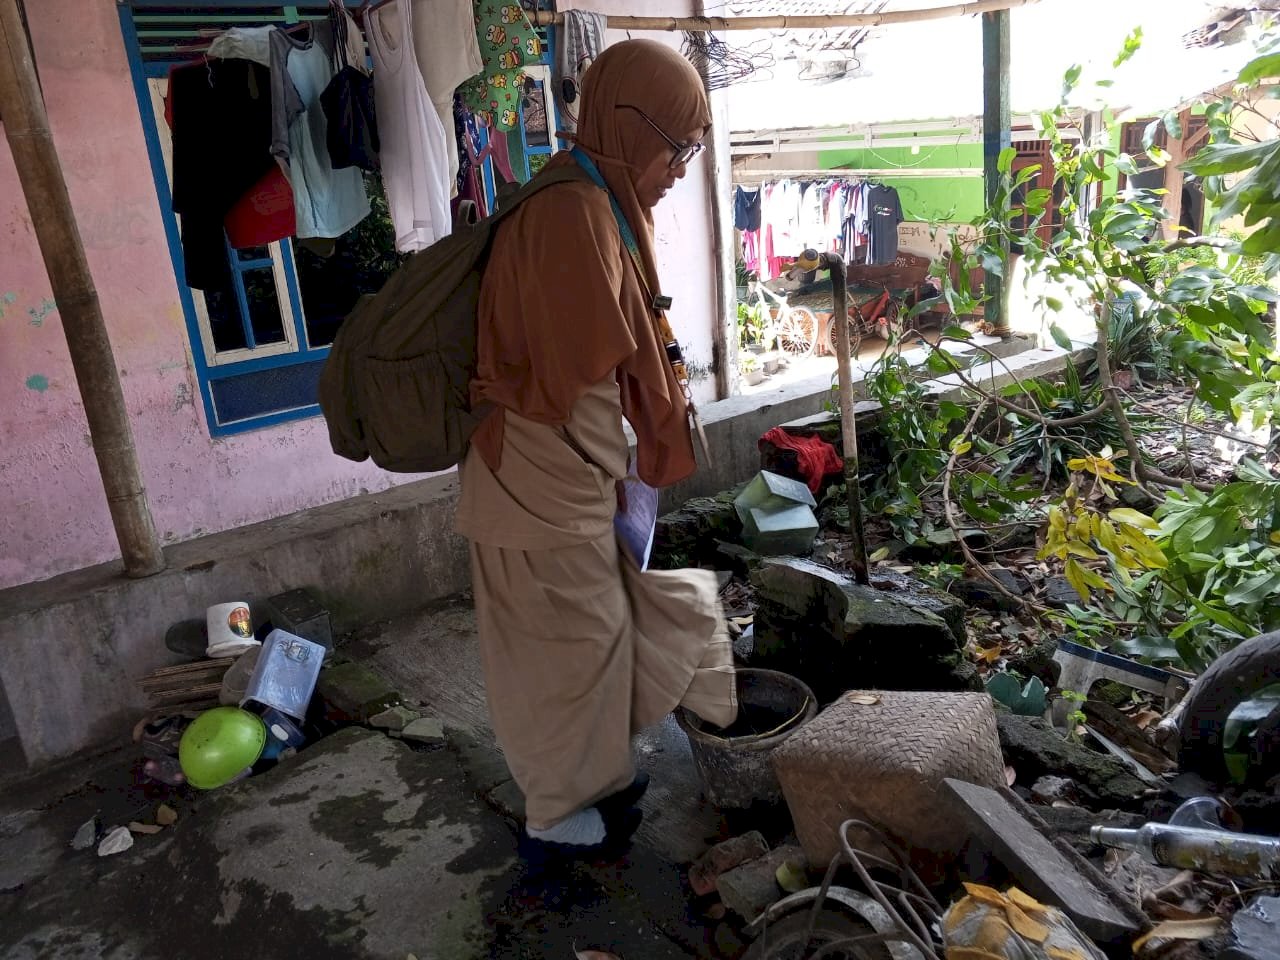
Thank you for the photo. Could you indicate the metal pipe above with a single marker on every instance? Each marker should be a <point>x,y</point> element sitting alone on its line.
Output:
<point>812,260</point>
<point>26,127</point>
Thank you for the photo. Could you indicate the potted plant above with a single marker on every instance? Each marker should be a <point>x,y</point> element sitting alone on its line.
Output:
<point>751,328</point>
<point>751,369</point>
<point>744,278</point>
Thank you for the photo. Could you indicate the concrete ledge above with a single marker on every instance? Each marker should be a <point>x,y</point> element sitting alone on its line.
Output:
<point>75,646</point>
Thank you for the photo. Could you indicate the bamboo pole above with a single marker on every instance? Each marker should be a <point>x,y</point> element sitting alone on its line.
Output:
<point>26,127</point>
<point>724,344</point>
<point>825,22</point>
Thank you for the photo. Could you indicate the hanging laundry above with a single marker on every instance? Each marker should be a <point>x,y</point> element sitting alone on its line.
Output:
<point>327,202</point>
<point>265,213</point>
<point>348,101</point>
<point>508,42</point>
<point>220,116</point>
<point>746,209</point>
<point>415,163</point>
<point>448,55</point>
<point>579,41</point>
<point>885,213</point>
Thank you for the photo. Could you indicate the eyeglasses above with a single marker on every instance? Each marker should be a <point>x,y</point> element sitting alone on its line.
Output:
<point>684,152</point>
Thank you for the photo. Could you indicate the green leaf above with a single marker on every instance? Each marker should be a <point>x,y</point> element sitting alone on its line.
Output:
<point>941,362</point>
<point>1133,518</point>
<point>1125,164</point>
<point>1219,158</point>
<point>1158,155</point>
<point>1059,335</point>
<point>1132,43</point>
<point>960,446</point>
<point>1149,134</point>
<point>957,332</point>
<point>1254,590</point>
<point>1004,163</point>
<point>1173,124</point>
<point>1264,66</point>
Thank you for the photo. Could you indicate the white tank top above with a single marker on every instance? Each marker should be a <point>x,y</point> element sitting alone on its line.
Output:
<point>414,155</point>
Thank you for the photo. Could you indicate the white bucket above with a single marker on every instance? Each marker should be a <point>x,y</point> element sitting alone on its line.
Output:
<point>230,629</point>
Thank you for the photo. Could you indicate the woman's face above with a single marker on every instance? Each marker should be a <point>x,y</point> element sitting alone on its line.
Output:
<point>657,176</point>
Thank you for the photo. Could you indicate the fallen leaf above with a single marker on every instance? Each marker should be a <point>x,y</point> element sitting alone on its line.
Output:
<point>146,828</point>
<point>1010,776</point>
<point>864,699</point>
<point>1146,718</point>
<point>1181,930</point>
<point>991,654</point>
<point>166,816</point>
<point>879,555</point>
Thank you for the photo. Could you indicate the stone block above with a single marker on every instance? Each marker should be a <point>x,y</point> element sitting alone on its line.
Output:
<point>353,692</point>
<point>723,857</point>
<point>690,535</point>
<point>836,635</point>
<point>752,888</point>
<point>1005,827</point>
<point>300,613</point>
<point>1036,750</point>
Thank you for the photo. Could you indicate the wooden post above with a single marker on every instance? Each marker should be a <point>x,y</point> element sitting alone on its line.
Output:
<point>1178,153</point>
<point>724,340</point>
<point>996,120</point>
<point>26,126</point>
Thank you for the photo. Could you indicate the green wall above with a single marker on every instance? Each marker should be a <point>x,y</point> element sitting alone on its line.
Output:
<point>952,199</point>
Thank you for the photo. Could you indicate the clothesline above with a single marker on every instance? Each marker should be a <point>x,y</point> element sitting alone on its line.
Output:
<point>823,22</point>
<point>756,176</point>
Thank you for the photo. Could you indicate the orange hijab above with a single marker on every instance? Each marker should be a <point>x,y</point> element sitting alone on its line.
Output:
<point>557,312</point>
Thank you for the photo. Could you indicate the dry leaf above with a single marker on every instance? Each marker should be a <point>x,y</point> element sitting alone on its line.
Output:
<point>1025,901</point>
<point>1010,775</point>
<point>991,654</point>
<point>864,699</point>
<point>1024,926</point>
<point>1146,718</point>
<point>166,816</point>
<point>147,828</point>
<point>1181,930</point>
<point>594,955</point>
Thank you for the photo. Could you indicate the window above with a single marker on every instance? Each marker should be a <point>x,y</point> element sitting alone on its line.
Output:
<point>260,337</point>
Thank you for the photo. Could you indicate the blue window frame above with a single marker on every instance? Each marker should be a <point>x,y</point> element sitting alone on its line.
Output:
<point>256,356</point>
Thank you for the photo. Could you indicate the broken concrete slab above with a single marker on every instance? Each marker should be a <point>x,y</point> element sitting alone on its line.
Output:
<point>1007,828</point>
<point>835,635</point>
<point>1035,749</point>
<point>424,730</point>
<point>353,692</point>
<point>393,718</point>
<point>725,856</point>
<point>86,836</point>
<point>117,840</point>
<point>752,888</point>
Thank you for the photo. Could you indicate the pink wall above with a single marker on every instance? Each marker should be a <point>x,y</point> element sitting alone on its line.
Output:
<point>53,515</point>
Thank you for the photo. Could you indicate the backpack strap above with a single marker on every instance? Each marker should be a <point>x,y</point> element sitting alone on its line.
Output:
<point>546,178</point>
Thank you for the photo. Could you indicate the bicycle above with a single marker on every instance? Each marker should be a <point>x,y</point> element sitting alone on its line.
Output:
<point>795,329</point>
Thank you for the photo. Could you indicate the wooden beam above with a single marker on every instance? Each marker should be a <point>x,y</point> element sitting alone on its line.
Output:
<point>26,127</point>
<point>996,136</point>
<point>825,22</point>
<point>1178,152</point>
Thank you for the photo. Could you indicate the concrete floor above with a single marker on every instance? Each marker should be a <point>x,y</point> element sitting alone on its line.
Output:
<point>433,658</point>
<point>360,847</point>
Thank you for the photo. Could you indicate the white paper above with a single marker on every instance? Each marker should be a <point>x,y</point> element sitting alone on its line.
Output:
<point>636,524</point>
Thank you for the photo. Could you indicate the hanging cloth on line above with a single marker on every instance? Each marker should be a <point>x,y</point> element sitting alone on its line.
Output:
<point>508,42</point>
<point>415,167</point>
<point>348,101</point>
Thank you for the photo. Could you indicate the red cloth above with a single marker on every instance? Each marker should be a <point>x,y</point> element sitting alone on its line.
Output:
<point>815,458</point>
<point>264,214</point>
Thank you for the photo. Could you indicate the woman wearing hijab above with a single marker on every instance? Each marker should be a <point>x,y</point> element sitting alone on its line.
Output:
<point>580,648</point>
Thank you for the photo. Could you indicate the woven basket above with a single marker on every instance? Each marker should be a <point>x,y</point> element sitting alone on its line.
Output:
<point>885,763</point>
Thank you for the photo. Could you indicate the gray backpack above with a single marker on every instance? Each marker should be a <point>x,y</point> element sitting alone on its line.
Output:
<point>396,384</point>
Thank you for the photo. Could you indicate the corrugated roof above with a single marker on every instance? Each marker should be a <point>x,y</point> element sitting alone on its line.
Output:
<point>836,43</point>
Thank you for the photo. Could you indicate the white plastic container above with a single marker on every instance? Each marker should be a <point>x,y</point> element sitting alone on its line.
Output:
<point>285,677</point>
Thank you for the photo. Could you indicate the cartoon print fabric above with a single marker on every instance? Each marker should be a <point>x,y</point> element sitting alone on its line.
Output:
<point>507,43</point>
